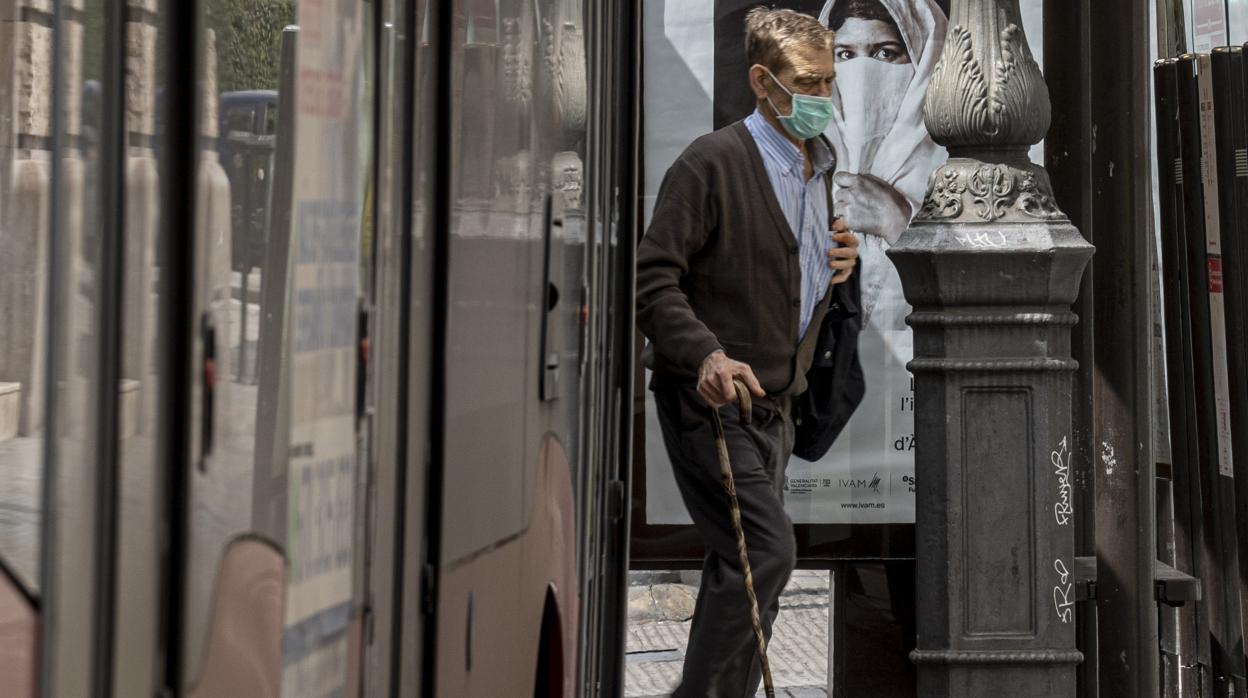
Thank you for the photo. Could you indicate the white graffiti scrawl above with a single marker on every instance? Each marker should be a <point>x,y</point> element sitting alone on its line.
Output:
<point>1063,596</point>
<point>1064,509</point>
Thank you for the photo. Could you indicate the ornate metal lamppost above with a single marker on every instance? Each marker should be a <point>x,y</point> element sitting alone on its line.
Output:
<point>991,267</point>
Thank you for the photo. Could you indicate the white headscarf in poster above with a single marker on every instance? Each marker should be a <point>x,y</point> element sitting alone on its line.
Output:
<point>904,155</point>
<point>878,130</point>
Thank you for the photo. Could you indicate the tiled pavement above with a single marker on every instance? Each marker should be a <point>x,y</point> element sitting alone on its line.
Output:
<point>658,630</point>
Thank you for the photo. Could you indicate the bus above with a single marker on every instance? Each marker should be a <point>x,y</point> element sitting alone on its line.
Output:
<point>316,340</point>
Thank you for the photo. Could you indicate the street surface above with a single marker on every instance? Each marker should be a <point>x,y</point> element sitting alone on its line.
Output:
<point>659,612</point>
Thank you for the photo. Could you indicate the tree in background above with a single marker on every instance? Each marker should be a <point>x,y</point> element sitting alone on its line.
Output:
<point>249,41</point>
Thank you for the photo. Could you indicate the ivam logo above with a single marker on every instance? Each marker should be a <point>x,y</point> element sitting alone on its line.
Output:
<point>863,484</point>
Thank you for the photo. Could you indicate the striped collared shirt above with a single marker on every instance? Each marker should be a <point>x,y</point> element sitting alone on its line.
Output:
<point>804,203</point>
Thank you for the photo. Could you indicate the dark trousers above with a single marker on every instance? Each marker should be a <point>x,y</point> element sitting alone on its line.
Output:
<point>722,657</point>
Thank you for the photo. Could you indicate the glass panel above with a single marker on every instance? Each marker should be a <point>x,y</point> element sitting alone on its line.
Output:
<point>25,171</point>
<point>282,244</point>
<point>76,291</point>
<point>139,527</point>
<point>497,221</point>
<point>25,309</point>
<point>517,259</point>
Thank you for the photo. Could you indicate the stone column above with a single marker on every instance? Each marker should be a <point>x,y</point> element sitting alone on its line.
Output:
<point>212,222</point>
<point>77,204</point>
<point>992,266</point>
<point>142,212</point>
<point>25,198</point>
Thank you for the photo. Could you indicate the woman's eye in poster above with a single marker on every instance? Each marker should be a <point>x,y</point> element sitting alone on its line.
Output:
<point>870,38</point>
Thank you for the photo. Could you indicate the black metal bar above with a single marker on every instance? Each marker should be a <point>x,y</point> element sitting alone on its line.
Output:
<point>627,77</point>
<point>838,630</point>
<point>441,247</point>
<point>399,549</point>
<point>177,320</point>
<point>48,528</point>
<point>1182,674</point>
<point>110,289</point>
<point>593,504</point>
<point>1187,477</point>
<point>546,387</point>
<point>1122,230</point>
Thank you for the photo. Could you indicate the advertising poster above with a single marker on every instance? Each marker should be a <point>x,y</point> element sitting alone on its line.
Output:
<point>696,81</point>
<point>1208,23</point>
<point>324,257</point>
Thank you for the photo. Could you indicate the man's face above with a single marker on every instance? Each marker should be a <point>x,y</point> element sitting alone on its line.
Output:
<point>869,38</point>
<point>810,71</point>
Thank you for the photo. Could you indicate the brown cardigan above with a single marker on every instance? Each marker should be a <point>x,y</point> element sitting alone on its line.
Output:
<point>718,269</point>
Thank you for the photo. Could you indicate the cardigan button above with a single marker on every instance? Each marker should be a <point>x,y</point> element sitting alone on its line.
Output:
<point>827,354</point>
<point>793,249</point>
<point>797,302</point>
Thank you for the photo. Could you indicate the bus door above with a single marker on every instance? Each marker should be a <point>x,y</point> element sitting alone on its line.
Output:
<point>273,558</point>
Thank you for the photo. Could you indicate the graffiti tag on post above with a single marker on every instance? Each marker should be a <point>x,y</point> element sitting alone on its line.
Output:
<point>1063,510</point>
<point>1063,596</point>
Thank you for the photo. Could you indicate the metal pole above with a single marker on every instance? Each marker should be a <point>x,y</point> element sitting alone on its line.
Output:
<point>1099,156</point>
<point>992,266</point>
<point>241,373</point>
<point>838,649</point>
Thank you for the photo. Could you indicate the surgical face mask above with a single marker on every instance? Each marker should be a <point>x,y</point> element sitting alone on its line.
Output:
<point>809,115</point>
<point>866,97</point>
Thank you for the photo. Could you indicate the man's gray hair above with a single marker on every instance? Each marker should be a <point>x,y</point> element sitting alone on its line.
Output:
<point>771,34</point>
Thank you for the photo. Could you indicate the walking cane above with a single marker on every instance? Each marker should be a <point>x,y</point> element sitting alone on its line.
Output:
<point>725,469</point>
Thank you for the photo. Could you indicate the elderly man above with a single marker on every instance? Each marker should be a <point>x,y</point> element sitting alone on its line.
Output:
<point>743,275</point>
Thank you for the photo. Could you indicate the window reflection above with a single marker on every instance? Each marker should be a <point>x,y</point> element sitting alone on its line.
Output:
<point>282,244</point>
<point>136,644</point>
<point>282,238</point>
<point>25,191</point>
<point>75,235</point>
<point>281,247</point>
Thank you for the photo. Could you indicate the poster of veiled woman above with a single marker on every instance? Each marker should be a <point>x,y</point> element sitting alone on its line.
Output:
<point>886,52</point>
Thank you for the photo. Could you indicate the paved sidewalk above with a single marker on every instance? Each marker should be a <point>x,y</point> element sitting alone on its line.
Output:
<point>658,630</point>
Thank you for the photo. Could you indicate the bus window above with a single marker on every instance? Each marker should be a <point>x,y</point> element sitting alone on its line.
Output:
<point>24,314</point>
<point>273,502</point>
<point>79,233</point>
<point>136,647</point>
